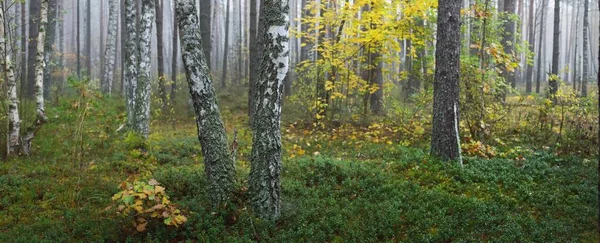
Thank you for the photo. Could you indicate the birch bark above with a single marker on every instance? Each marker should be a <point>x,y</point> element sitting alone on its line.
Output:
<point>14,122</point>
<point>111,47</point>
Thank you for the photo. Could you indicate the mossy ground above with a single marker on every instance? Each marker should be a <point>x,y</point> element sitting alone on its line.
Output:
<point>352,187</point>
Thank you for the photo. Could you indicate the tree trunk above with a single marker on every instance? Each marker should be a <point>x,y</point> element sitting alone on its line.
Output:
<point>219,167</point>
<point>226,49</point>
<point>14,122</point>
<point>34,16</point>
<point>23,61</point>
<point>131,61</point>
<point>111,47</point>
<point>206,29</point>
<point>265,186</point>
<point>174,60</point>
<point>61,45</point>
<point>162,92</point>
<point>49,46</point>
<point>575,59</point>
<point>144,89</point>
<point>124,38</point>
<point>254,57</point>
<point>445,141</point>
<point>78,30</point>
<point>531,40</point>
<point>39,81</point>
<point>508,42</point>
<point>586,25</point>
<point>540,49</point>
<point>555,52</point>
<point>88,39</point>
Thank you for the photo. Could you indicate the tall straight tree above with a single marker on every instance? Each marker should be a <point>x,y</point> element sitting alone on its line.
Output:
<point>254,56</point>
<point>445,141</point>
<point>131,61</point>
<point>206,29</point>
<point>14,122</point>
<point>226,48</point>
<point>39,81</point>
<point>88,39</point>
<point>218,162</point>
<point>531,46</point>
<point>144,88</point>
<point>509,42</point>
<point>78,39</point>
<point>586,25</point>
<point>264,181</point>
<point>540,65</point>
<point>553,82</point>
<point>34,17</point>
<point>110,52</point>
<point>162,92</point>
<point>174,57</point>
<point>49,45</point>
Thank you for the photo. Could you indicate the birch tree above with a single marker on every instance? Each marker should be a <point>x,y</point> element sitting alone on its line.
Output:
<point>111,47</point>
<point>14,122</point>
<point>445,142</point>
<point>586,24</point>
<point>131,61</point>
<point>218,163</point>
<point>39,81</point>
<point>265,185</point>
<point>142,103</point>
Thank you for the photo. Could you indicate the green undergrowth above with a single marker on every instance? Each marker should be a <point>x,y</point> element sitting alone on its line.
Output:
<point>333,189</point>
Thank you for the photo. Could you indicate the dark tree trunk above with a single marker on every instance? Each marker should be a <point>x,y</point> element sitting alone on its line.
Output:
<point>162,92</point>
<point>586,25</point>
<point>540,66</point>
<point>34,16</point>
<point>508,42</point>
<point>78,30</point>
<point>49,46</point>
<point>175,50</point>
<point>552,81</point>
<point>531,40</point>
<point>226,49</point>
<point>445,141</point>
<point>206,29</point>
<point>254,57</point>
<point>23,68</point>
<point>218,163</point>
<point>88,39</point>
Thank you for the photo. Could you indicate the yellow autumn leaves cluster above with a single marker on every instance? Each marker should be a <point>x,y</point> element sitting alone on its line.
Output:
<point>144,201</point>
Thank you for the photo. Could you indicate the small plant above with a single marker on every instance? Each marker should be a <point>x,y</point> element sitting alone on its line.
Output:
<point>145,201</point>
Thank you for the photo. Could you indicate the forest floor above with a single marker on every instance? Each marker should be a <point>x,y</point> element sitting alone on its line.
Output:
<point>340,184</point>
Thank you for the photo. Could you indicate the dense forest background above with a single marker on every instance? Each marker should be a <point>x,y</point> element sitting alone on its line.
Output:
<point>299,120</point>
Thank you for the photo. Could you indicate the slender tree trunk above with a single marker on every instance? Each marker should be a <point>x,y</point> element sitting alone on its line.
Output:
<point>240,45</point>
<point>88,39</point>
<point>254,57</point>
<point>218,162</point>
<point>61,46</point>
<point>555,52</point>
<point>586,25</point>
<point>226,49</point>
<point>78,30</point>
<point>111,47</point>
<point>39,81</point>
<point>14,122</point>
<point>124,39</point>
<point>206,29</point>
<point>445,141</point>
<point>540,49</point>
<point>265,185</point>
<point>144,89</point>
<point>530,40</point>
<point>174,61</point>
<point>162,92</point>
<point>131,61</point>
<point>508,42</point>
<point>575,59</point>
<point>49,46</point>
<point>23,61</point>
<point>34,16</point>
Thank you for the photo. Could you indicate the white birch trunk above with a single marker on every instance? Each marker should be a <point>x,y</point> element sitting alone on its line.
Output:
<point>39,81</point>
<point>131,61</point>
<point>265,186</point>
<point>14,122</point>
<point>143,91</point>
<point>111,47</point>
<point>218,163</point>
